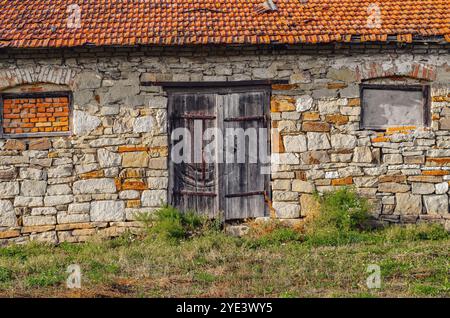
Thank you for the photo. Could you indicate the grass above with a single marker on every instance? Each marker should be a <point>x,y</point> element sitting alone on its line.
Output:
<point>216,265</point>
<point>188,256</point>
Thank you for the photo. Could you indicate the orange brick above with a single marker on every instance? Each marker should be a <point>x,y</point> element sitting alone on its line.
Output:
<point>60,114</point>
<point>93,174</point>
<point>336,85</point>
<point>439,161</point>
<point>133,203</point>
<point>58,124</point>
<point>380,139</point>
<point>400,130</point>
<point>337,119</point>
<point>11,116</point>
<point>435,172</point>
<point>134,184</point>
<point>310,116</point>
<point>132,148</point>
<point>43,124</point>
<point>354,102</point>
<point>342,181</point>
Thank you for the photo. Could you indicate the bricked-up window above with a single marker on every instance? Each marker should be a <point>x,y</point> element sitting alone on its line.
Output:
<point>386,106</point>
<point>35,114</point>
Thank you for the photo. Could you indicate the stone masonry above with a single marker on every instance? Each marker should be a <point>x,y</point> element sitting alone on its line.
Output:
<point>115,162</point>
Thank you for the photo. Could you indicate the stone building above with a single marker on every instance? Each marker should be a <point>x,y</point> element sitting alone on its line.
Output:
<point>352,95</point>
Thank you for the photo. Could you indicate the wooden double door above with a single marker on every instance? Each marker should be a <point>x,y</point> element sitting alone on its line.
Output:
<point>222,173</point>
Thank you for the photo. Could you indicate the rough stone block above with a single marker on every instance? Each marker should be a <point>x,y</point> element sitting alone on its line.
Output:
<point>91,186</point>
<point>318,141</point>
<point>286,210</point>
<point>154,198</point>
<point>295,143</point>
<point>436,204</point>
<point>408,204</point>
<point>32,188</point>
<point>39,220</point>
<point>422,188</point>
<point>107,211</point>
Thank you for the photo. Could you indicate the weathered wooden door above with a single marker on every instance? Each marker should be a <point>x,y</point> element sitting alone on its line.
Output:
<point>193,182</point>
<point>236,183</point>
<point>245,181</point>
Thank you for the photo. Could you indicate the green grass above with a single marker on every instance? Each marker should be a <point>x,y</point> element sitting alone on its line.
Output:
<point>414,262</point>
<point>185,255</point>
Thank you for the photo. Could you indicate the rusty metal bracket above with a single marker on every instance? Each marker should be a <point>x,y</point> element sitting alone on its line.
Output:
<point>245,194</point>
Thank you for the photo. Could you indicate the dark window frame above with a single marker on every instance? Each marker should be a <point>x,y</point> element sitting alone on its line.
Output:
<point>425,89</point>
<point>67,94</point>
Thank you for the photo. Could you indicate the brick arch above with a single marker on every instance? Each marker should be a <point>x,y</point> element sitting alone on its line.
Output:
<point>374,70</point>
<point>39,74</point>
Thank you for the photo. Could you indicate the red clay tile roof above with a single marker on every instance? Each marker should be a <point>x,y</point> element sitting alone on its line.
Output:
<point>43,23</point>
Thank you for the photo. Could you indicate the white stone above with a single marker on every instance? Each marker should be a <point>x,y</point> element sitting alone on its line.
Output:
<point>21,201</point>
<point>88,80</point>
<point>318,141</point>
<point>157,182</point>
<point>304,103</point>
<point>108,158</point>
<point>73,218</point>
<point>365,182</point>
<point>35,220</point>
<point>285,210</point>
<point>84,123</point>
<point>362,154</point>
<point>91,186</point>
<point>33,174</point>
<point>60,171</point>
<point>285,159</point>
<point>107,211</point>
<point>154,198</point>
<point>7,216</point>
<point>58,189</point>
<point>79,208</point>
<point>302,186</point>
<point>393,159</point>
<point>32,188</point>
<point>9,189</point>
<point>284,196</point>
<point>143,124</point>
<point>328,106</point>
<point>295,143</point>
<point>436,204</point>
<point>442,188</point>
<point>44,237</point>
<point>408,203</point>
<point>129,195</point>
<point>343,141</point>
<point>331,175</point>
<point>43,211</point>
<point>54,200</point>
<point>422,188</point>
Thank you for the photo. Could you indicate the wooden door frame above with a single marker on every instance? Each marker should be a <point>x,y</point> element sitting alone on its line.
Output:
<point>220,88</point>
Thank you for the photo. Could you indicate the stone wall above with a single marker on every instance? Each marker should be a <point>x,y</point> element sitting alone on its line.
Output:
<point>114,164</point>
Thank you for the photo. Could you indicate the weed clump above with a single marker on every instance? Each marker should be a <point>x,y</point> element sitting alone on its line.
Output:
<point>170,223</point>
<point>342,218</point>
